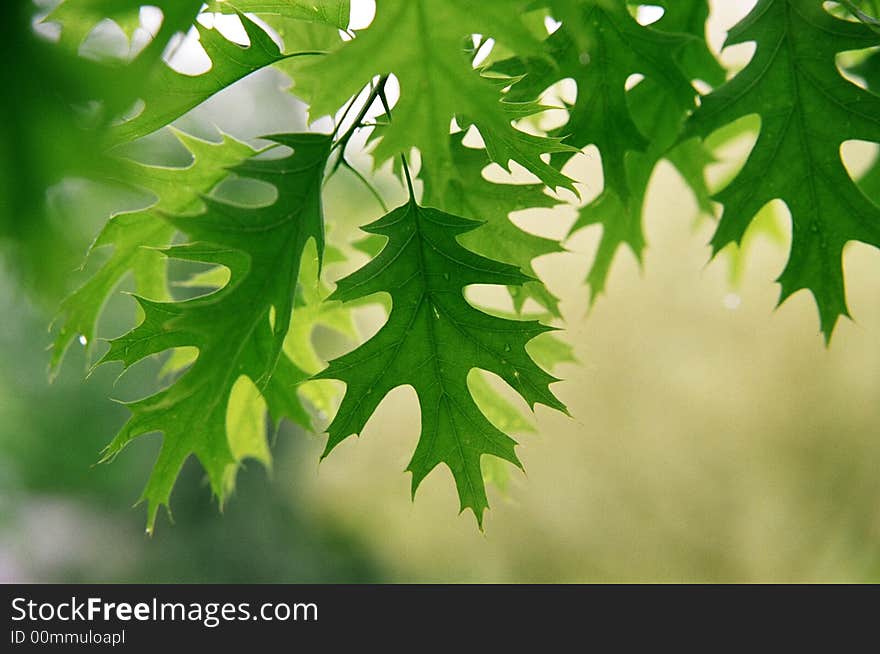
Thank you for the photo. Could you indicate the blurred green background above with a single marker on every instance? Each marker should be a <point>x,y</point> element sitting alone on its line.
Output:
<point>712,438</point>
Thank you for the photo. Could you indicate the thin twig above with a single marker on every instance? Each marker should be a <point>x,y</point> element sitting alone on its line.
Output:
<point>376,92</point>
<point>344,115</point>
<point>372,189</point>
<point>409,183</point>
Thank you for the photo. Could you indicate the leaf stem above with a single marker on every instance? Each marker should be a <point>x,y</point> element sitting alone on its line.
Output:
<point>345,138</point>
<point>366,183</point>
<point>344,115</point>
<point>409,184</point>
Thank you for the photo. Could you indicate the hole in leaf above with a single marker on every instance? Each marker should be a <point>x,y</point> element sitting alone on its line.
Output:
<point>229,26</point>
<point>649,14</point>
<point>551,24</point>
<point>858,156</point>
<point>490,298</point>
<point>186,55</point>
<point>633,80</point>
<point>245,192</point>
<point>276,151</point>
<point>501,405</point>
<point>483,53</point>
<point>106,42</point>
<point>731,145</point>
<point>246,422</point>
<point>362,14</point>
<point>177,362</point>
<point>190,279</point>
<point>854,65</point>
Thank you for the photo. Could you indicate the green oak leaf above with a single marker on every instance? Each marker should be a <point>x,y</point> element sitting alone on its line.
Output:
<point>334,13</point>
<point>807,110</point>
<point>57,103</point>
<point>167,94</point>
<point>299,34</point>
<point>600,46</point>
<point>135,236</point>
<point>548,351</point>
<point>79,17</point>
<point>437,82</point>
<point>869,70</point>
<point>238,330</point>
<point>506,418</point>
<point>658,114</point>
<point>695,58</point>
<point>471,194</point>
<point>302,25</point>
<point>313,310</point>
<point>432,340</point>
<point>116,84</point>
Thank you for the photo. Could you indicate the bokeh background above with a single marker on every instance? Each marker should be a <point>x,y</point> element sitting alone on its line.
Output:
<point>713,438</point>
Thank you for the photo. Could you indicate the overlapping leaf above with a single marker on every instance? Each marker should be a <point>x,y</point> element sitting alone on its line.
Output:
<point>432,340</point>
<point>55,103</point>
<point>167,94</point>
<point>600,46</point>
<point>869,70</point>
<point>313,309</point>
<point>79,17</point>
<point>135,237</point>
<point>237,354</point>
<point>116,84</point>
<point>437,82</point>
<point>471,194</point>
<point>238,330</point>
<point>548,350</point>
<point>807,109</point>
<point>303,26</point>
<point>659,116</point>
<point>334,13</point>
